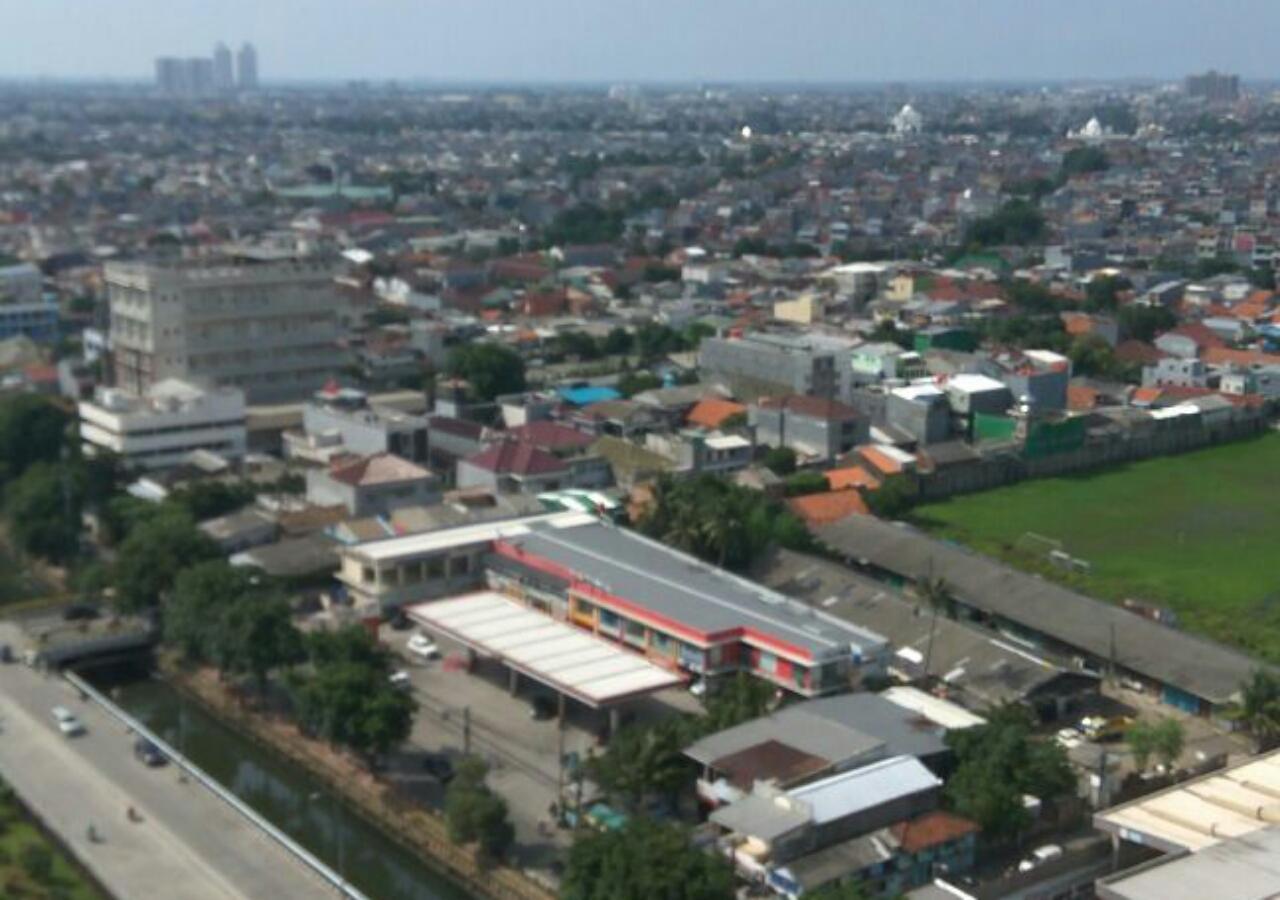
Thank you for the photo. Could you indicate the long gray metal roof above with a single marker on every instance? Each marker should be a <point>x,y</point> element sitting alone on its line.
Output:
<point>679,587</point>
<point>1197,666</point>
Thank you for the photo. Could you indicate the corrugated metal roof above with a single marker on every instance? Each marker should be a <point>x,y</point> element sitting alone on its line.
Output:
<point>554,653</point>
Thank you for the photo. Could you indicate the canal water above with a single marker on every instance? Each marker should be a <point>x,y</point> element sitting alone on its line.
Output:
<point>288,797</point>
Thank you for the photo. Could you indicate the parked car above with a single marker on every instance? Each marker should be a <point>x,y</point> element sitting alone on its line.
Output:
<point>68,724</point>
<point>400,621</point>
<point>698,688</point>
<point>439,767</point>
<point>148,753</point>
<point>422,646</point>
<point>400,679</point>
<point>6,653</point>
<point>1039,857</point>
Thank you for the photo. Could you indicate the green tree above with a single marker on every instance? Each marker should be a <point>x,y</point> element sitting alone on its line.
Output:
<point>1016,222</point>
<point>1090,354</point>
<point>344,694</point>
<point>474,813</point>
<point>644,760</point>
<point>1141,739</point>
<point>201,594</point>
<point>801,483</point>
<point>1103,293</point>
<point>1083,161</point>
<point>618,342</point>
<point>632,383</point>
<point>256,636</point>
<point>491,369</point>
<point>893,498</point>
<point>1260,708</point>
<point>740,699</point>
<point>43,511</point>
<point>32,430</point>
<point>579,344</point>
<point>210,499</point>
<point>151,557</point>
<point>36,860</point>
<point>642,861</point>
<point>1167,741</point>
<point>780,460</point>
<point>1142,323</point>
<point>998,762</point>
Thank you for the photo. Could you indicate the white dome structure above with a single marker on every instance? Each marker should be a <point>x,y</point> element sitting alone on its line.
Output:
<point>907,121</point>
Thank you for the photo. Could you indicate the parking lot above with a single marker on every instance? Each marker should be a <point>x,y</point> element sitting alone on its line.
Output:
<point>476,712</point>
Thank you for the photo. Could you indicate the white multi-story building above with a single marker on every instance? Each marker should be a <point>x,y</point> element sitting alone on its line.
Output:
<point>266,325</point>
<point>161,427</point>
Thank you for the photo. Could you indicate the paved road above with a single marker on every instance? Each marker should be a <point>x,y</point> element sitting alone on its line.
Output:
<point>189,844</point>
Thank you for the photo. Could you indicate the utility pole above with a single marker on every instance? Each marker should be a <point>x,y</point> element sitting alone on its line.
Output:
<point>466,730</point>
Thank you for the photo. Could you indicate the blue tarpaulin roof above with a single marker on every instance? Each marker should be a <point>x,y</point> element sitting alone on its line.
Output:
<point>587,394</point>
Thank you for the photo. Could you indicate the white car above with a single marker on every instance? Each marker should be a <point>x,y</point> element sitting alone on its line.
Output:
<point>400,679</point>
<point>1039,857</point>
<point>698,688</point>
<point>423,646</point>
<point>1068,738</point>
<point>68,724</point>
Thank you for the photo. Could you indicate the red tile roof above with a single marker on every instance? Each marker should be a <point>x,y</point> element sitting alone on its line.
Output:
<point>823,509</point>
<point>851,477</point>
<point>551,436</point>
<point>516,458</point>
<point>710,412</point>
<point>931,829</point>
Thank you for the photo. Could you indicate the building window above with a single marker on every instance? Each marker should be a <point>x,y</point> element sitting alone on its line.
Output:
<point>633,633</point>
<point>459,565</point>
<point>663,643</point>
<point>368,576</point>
<point>435,567</point>
<point>609,620</point>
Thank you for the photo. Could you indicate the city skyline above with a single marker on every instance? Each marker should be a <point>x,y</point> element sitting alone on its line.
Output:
<point>814,41</point>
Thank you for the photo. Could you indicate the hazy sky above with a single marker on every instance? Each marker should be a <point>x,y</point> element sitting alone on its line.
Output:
<point>651,40</point>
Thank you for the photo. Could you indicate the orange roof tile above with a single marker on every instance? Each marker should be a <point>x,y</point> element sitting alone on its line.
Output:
<point>931,829</point>
<point>1224,355</point>
<point>710,412</point>
<point>1080,397</point>
<point>883,462</point>
<point>823,509</point>
<point>851,477</point>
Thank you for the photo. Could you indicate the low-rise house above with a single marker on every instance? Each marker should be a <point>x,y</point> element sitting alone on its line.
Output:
<point>887,861</point>
<point>696,451</point>
<point>816,429</point>
<point>241,530</point>
<point>811,740</point>
<point>362,428</point>
<point>514,467</point>
<point>921,411</point>
<point>372,485</point>
<point>771,826</point>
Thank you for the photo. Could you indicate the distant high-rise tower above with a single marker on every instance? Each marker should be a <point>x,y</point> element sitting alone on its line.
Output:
<point>1215,87</point>
<point>224,76</point>
<point>170,74</point>
<point>247,62</point>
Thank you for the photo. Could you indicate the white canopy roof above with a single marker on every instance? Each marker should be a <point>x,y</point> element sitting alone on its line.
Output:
<point>561,656</point>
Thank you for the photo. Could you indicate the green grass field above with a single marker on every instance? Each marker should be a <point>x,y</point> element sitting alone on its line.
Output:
<point>1198,533</point>
<point>30,866</point>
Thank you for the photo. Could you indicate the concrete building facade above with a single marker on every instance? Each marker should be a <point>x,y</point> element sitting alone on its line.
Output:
<point>268,328</point>
<point>161,427</point>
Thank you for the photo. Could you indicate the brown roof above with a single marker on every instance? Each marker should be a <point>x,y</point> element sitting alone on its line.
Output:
<point>710,412</point>
<point>516,458</point>
<point>770,760</point>
<point>829,507</point>
<point>381,468</point>
<point>931,829</point>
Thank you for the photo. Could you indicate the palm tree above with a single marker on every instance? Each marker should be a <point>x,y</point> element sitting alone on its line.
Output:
<point>1260,708</point>
<point>937,594</point>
